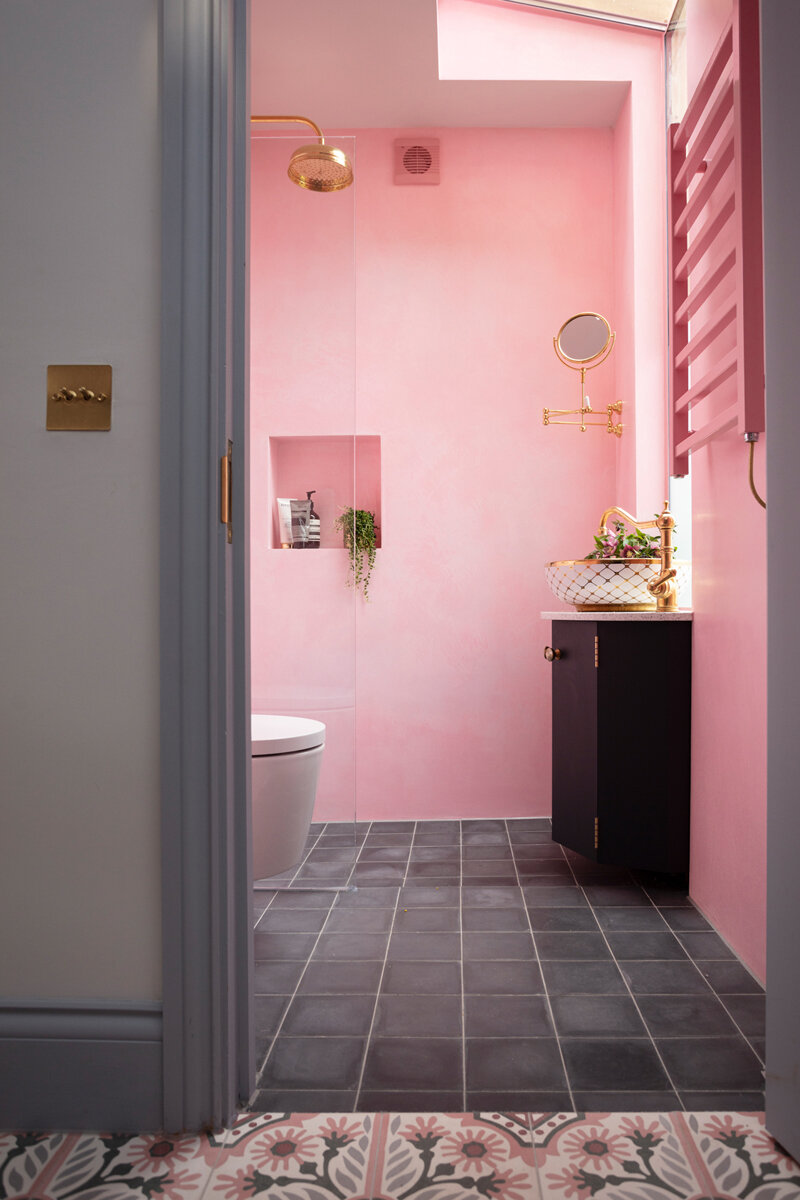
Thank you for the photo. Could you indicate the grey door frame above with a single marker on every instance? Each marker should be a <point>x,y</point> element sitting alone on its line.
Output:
<point>208,1060</point>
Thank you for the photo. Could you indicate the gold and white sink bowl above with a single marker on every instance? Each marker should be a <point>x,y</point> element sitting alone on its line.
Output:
<point>600,584</point>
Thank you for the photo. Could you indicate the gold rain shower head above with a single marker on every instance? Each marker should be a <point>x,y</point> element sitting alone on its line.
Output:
<point>318,167</point>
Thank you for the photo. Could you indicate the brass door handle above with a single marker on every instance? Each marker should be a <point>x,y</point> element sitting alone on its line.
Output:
<point>550,654</point>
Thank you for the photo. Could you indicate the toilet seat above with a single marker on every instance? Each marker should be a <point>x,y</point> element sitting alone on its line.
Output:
<point>272,734</point>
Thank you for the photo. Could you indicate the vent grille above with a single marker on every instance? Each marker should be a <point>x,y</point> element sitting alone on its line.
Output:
<point>416,160</point>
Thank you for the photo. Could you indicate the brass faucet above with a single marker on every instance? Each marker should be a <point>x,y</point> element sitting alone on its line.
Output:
<point>663,587</point>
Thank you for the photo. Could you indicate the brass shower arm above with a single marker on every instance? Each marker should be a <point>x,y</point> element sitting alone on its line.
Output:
<point>290,121</point>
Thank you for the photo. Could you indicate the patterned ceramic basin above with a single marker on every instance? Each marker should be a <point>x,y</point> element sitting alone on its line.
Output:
<point>608,583</point>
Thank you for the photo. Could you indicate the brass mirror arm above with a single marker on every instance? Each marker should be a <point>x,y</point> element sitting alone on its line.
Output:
<point>290,121</point>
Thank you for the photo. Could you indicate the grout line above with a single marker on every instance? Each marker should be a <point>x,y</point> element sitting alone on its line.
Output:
<point>375,1005</point>
<point>544,986</point>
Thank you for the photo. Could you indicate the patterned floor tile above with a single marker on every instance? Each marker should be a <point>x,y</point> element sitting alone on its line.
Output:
<point>456,1156</point>
<point>634,1156</point>
<point>107,1166</point>
<point>740,1159</point>
<point>297,1156</point>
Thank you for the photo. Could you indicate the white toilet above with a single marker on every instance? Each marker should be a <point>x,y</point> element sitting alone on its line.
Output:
<point>287,754</point>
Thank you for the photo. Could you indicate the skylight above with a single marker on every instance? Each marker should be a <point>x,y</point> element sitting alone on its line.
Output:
<point>651,14</point>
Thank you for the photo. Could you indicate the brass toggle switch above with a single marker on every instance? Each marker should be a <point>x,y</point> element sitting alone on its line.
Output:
<point>79,397</point>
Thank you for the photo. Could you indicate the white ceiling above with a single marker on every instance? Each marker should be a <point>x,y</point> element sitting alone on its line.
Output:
<point>356,64</point>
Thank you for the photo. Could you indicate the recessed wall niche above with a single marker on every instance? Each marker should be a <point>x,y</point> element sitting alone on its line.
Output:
<point>342,471</point>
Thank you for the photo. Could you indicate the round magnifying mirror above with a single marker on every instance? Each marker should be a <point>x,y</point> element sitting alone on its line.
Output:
<point>584,337</point>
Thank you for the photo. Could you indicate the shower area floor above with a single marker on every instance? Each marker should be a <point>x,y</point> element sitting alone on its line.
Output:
<point>477,965</point>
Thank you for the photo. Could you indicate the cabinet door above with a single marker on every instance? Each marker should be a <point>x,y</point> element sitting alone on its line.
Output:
<point>575,736</point>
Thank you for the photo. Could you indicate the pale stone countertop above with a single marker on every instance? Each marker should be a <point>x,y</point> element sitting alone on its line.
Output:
<point>569,614</point>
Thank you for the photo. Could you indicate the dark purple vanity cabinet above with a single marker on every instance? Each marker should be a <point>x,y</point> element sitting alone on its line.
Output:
<point>621,741</point>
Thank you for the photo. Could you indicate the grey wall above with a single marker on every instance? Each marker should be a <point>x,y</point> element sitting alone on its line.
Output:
<point>781,136</point>
<point>79,263</point>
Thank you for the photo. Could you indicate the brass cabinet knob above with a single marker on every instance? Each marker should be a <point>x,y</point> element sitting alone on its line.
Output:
<point>550,654</point>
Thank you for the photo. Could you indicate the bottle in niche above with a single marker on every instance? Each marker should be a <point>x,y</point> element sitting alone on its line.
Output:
<point>314,524</point>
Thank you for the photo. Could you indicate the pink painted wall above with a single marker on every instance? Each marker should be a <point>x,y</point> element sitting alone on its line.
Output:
<point>448,357</point>
<point>489,39</point>
<point>728,878</point>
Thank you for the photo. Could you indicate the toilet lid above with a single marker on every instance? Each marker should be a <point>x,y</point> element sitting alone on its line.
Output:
<point>284,735</point>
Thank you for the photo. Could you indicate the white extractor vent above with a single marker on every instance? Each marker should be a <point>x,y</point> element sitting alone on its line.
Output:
<point>416,160</point>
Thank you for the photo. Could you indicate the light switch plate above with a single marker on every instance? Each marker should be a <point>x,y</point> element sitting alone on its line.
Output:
<point>79,397</point>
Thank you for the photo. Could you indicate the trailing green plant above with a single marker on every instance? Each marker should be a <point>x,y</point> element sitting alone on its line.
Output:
<point>619,544</point>
<point>360,539</point>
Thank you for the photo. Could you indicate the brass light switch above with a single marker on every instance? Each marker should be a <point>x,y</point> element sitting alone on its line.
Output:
<point>79,397</point>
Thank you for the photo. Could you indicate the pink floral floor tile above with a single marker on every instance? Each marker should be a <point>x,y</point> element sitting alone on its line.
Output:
<point>618,1156</point>
<point>739,1158</point>
<point>455,1156</point>
<point>106,1166</point>
<point>297,1156</point>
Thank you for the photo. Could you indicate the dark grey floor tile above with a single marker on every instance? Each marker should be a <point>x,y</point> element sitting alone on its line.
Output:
<point>621,1102</point>
<point>644,945</point>
<point>685,918</point>
<point>729,978</point>
<point>485,896</point>
<point>562,920</point>
<point>685,1016</point>
<point>666,897</point>
<point>570,946</point>
<point>502,978</point>
<point>512,1064</point>
<point>360,920</point>
<point>296,1102</point>
<point>412,1064</point>
<point>496,852</point>
<point>553,897</point>
<point>444,826</point>
<point>377,838</point>
<point>508,919</point>
<point>597,1016</point>
<point>533,837</point>
<point>341,978</point>
<point>267,1013</point>
<point>506,881</point>
<point>673,977</point>
<point>371,874</point>
<point>710,1063</point>
<point>328,1016</point>
<point>393,826</point>
<point>332,854</point>
<point>378,1101</point>
<point>383,854</point>
<point>431,870</point>
<point>329,874</point>
<point>614,1064</point>
<point>537,852</point>
<point>544,874</point>
<point>607,895</point>
<point>435,854</point>
<point>589,978</point>
<point>437,837</point>
<point>429,881</point>
<point>631,918</point>
<point>428,947</point>
<point>431,978</point>
<point>424,1015</point>
<point>760,1047</point>
<point>269,946</point>
<point>303,1062</point>
<point>340,839</point>
<point>427,920</point>
<point>497,868</point>
<point>483,825</point>
<point>277,978</point>
<point>292,920</point>
<point>523,1101</point>
<point>507,1016</point>
<point>351,946</point>
<point>429,896</point>
<point>483,945</point>
<point>367,897</point>
<point>706,945</point>
<point>749,1013</point>
<point>529,824</point>
<point>722,1101</point>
